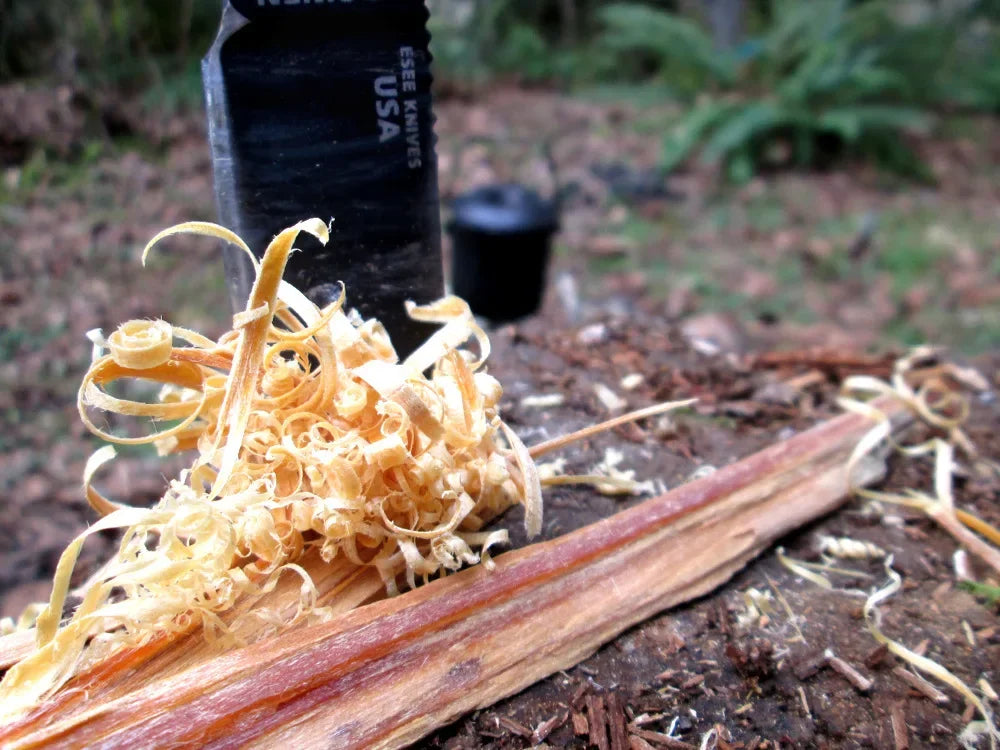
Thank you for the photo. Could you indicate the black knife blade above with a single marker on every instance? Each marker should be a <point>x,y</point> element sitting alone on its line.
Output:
<point>324,109</point>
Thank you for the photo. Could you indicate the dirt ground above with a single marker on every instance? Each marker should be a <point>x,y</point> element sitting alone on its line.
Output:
<point>680,282</point>
<point>711,663</point>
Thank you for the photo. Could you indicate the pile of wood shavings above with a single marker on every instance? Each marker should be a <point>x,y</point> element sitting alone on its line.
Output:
<point>310,435</point>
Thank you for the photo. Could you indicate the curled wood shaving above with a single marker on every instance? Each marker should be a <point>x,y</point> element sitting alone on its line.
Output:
<point>850,549</point>
<point>610,479</point>
<point>142,344</point>
<point>823,567</point>
<point>309,435</point>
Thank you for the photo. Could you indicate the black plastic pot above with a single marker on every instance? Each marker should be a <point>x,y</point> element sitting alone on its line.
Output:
<point>502,239</point>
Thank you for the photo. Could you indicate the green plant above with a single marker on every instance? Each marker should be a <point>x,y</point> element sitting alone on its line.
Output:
<point>817,86</point>
<point>991,594</point>
<point>643,39</point>
<point>535,40</point>
<point>524,51</point>
<point>821,81</point>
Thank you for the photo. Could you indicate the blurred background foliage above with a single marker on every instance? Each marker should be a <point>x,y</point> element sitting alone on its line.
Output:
<point>763,84</point>
<point>148,46</point>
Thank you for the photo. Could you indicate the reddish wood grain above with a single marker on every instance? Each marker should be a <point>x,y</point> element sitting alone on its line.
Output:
<point>387,673</point>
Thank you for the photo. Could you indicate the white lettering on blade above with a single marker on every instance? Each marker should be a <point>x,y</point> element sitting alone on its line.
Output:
<point>387,107</point>
<point>413,158</point>
<point>411,112</point>
<point>395,114</point>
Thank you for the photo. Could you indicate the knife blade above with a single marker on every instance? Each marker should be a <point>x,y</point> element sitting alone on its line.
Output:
<point>324,109</point>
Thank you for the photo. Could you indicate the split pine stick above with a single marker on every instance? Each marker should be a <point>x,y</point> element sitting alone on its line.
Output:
<point>385,674</point>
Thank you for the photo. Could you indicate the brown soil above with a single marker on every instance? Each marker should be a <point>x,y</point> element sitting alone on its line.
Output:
<point>702,665</point>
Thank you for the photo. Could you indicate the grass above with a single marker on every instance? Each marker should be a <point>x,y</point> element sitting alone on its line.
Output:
<point>971,127</point>
<point>709,245</point>
<point>711,251</point>
<point>904,251</point>
<point>651,99</point>
<point>990,594</point>
<point>44,171</point>
<point>767,214</point>
<point>176,93</point>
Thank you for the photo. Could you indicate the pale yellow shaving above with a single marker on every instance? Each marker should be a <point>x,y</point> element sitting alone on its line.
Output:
<point>808,572</point>
<point>142,344</point>
<point>310,435</point>
<point>850,549</point>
